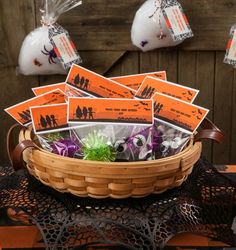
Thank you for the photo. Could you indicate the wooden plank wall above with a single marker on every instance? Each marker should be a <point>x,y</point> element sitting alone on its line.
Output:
<point>101,31</point>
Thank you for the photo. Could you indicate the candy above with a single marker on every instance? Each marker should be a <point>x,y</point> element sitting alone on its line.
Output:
<point>66,147</point>
<point>96,147</point>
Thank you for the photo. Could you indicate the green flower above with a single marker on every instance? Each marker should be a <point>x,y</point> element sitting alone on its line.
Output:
<point>97,148</point>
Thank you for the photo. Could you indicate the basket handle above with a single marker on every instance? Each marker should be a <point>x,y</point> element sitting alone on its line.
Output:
<point>209,131</point>
<point>15,152</point>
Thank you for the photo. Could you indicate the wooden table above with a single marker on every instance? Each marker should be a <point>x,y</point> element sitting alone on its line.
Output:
<point>28,237</point>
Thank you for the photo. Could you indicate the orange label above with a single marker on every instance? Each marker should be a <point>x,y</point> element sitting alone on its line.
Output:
<point>49,118</point>
<point>96,85</point>
<point>135,81</point>
<point>177,113</point>
<point>44,89</point>
<point>152,85</point>
<point>101,110</point>
<point>21,112</point>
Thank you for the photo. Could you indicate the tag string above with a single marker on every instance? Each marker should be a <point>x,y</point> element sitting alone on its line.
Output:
<point>159,6</point>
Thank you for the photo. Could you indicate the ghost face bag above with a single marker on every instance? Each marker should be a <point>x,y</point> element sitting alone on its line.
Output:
<point>156,25</point>
<point>40,53</point>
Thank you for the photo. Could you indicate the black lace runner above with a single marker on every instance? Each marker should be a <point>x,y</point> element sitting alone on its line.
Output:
<point>205,204</point>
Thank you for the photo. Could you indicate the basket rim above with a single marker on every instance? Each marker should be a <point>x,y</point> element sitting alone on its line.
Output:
<point>27,134</point>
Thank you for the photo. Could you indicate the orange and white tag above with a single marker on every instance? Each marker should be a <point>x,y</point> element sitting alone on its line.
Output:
<point>182,115</point>
<point>63,47</point>
<point>230,56</point>
<point>104,110</point>
<point>50,118</point>
<point>66,88</point>
<point>135,81</point>
<point>176,20</point>
<point>47,88</point>
<point>152,85</point>
<point>97,85</point>
<point>21,111</point>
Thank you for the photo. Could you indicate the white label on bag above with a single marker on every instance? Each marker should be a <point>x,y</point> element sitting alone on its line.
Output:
<point>232,49</point>
<point>64,48</point>
<point>176,20</point>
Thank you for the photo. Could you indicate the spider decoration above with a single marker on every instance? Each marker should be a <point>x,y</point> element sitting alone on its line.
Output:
<point>51,54</point>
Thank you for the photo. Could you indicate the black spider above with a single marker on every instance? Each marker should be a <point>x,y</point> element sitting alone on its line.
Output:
<point>144,43</point>
<point>52,54</point>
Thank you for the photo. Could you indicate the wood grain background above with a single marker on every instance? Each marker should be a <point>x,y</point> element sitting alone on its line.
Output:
<point>101,31</point>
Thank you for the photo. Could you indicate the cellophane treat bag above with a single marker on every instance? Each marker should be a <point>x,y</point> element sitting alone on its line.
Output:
<point>65,143</point>
<point>48,49</point>
<point>155,25</point>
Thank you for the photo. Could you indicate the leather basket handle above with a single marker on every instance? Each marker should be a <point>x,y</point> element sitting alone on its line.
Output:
<point>209,131</point>
<point>15,153</point>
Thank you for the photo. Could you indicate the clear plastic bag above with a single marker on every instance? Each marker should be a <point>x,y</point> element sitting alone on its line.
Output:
<point>111,143</point>
<point>134,143</point>
<point>115,142</point>
<point>73,92</point>
<point>169,141</point>
<point>64,143</point>
<point>37,54</point>
<point>149,30</point>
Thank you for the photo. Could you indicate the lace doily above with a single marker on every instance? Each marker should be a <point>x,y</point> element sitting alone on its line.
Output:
<point>205,204</point>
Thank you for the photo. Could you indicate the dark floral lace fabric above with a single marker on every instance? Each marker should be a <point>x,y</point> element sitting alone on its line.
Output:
<point>205,204</point>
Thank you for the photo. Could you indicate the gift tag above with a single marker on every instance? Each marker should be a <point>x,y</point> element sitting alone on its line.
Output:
<point>230,56</point>
<point>181,115</point>
<point>96,85</point>
<point>176,20</point>
<point>152,85</point>
<point>63,46</point>
<point>50,118</point>
<point>21,111</point>
<point>65,88</point>
<point>115,111</point>
<point>44,89</point>
<point>134,81</point>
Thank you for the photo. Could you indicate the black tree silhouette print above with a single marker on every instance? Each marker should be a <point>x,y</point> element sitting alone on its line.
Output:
<point>48,121</point>
<point>84,113</point>
<point>43,122</point>
<point>147,92</point>
<point>79,112</point>
<point>77,79</point>
<point>24,117</point>
<point>158,107</point>
<point>82,80</point>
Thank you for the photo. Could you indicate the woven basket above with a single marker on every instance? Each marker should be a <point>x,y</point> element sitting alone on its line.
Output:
<point>101,179</point>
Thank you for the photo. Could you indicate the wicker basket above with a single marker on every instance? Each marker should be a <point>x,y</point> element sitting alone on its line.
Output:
<point>101,180</point>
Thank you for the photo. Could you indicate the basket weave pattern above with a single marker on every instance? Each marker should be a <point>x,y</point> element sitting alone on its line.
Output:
<point>116,179</point>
